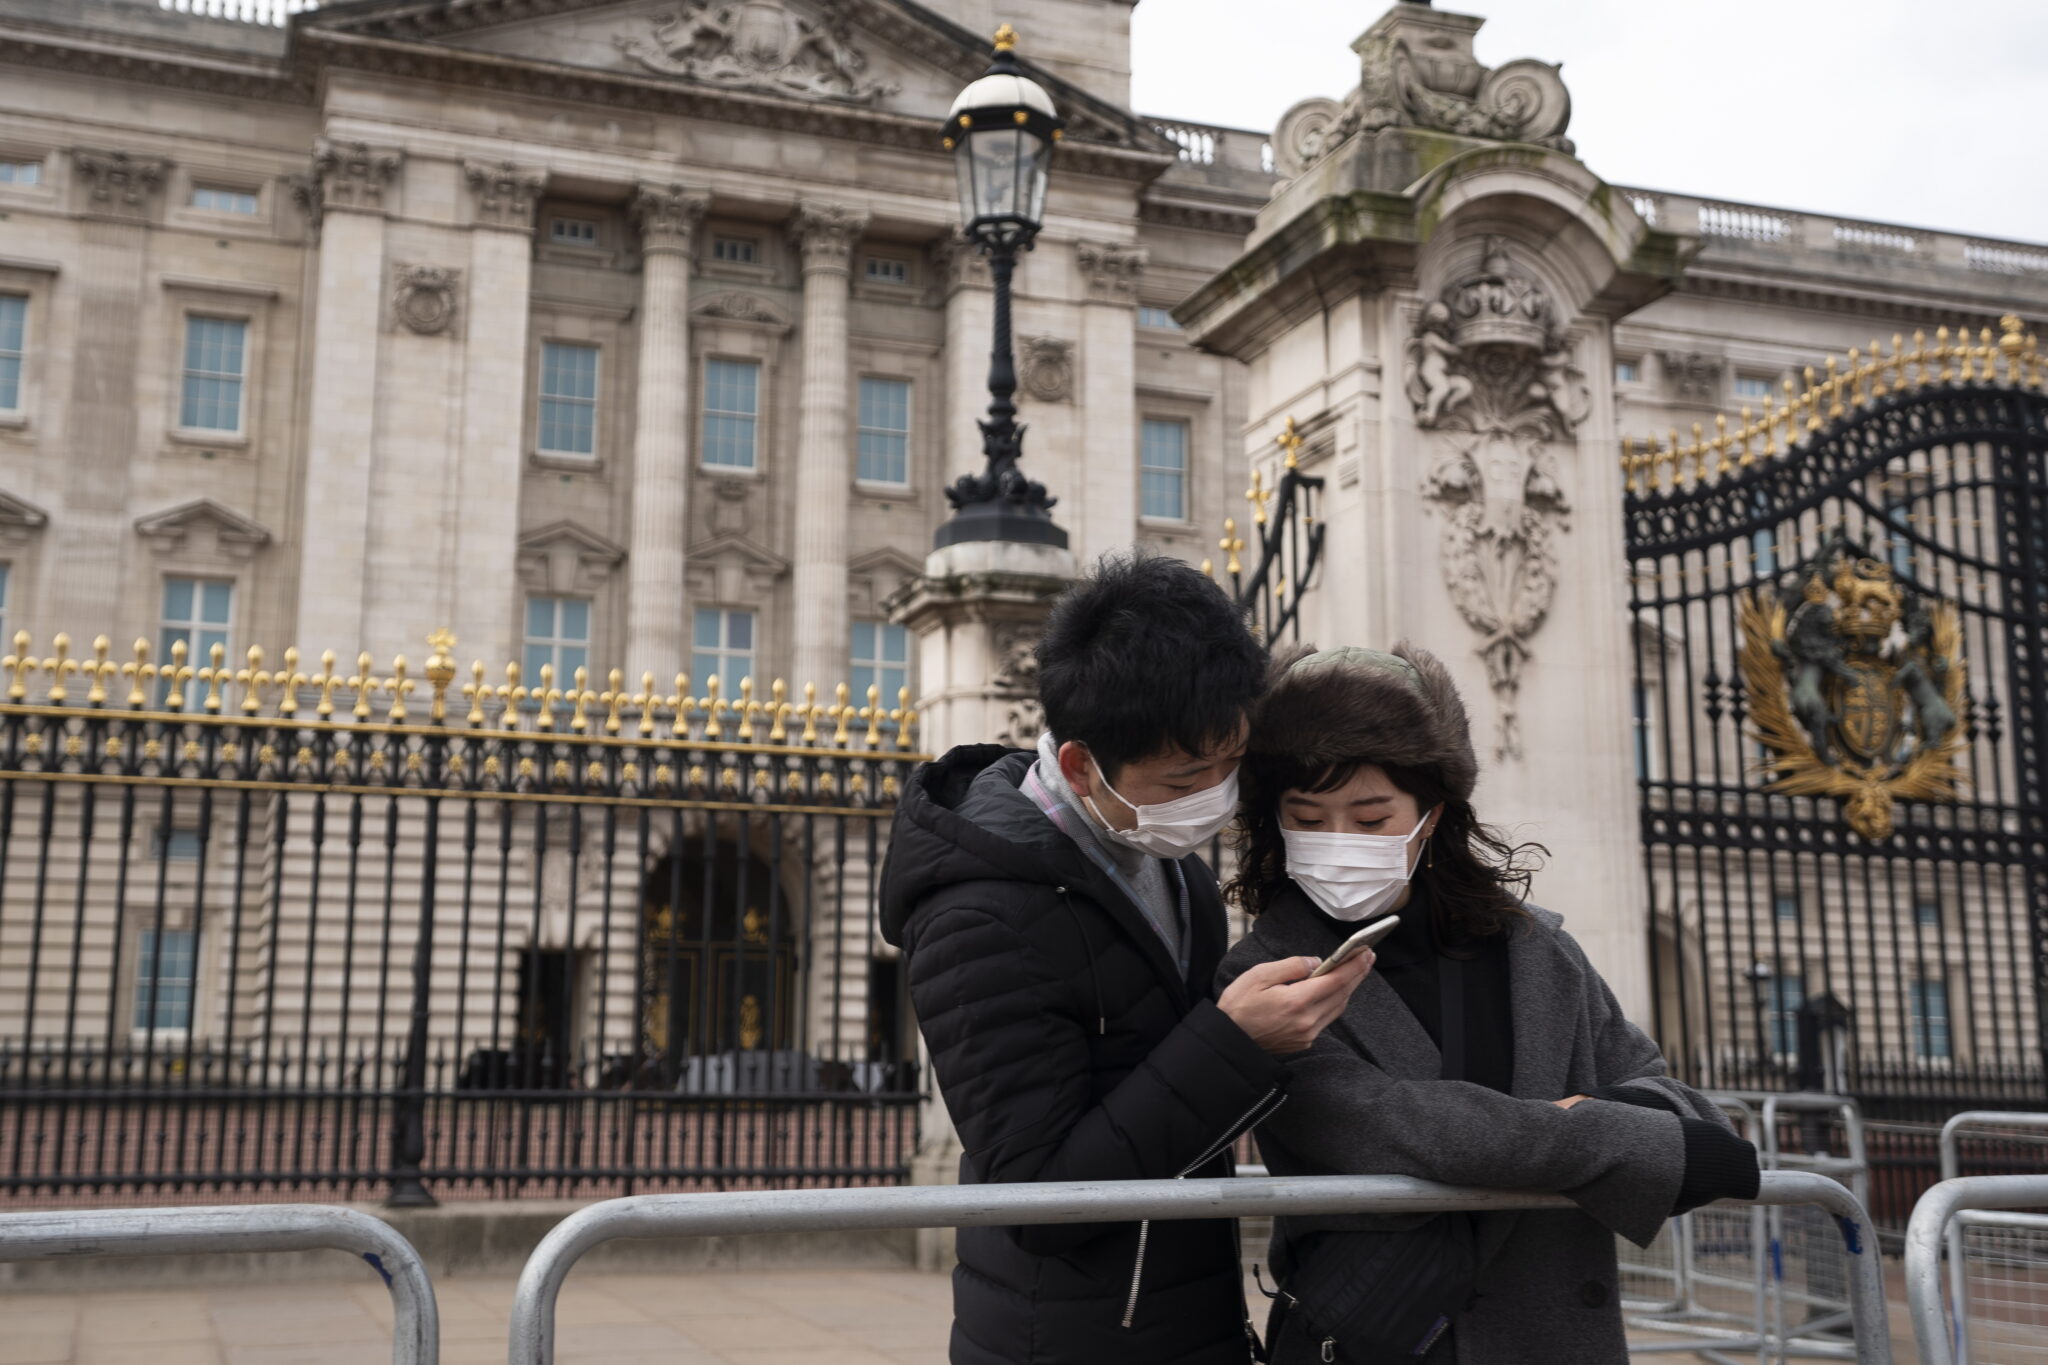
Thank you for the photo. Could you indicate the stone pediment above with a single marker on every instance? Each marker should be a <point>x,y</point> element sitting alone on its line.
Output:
<point>876,55</point>
<point>235,535</point>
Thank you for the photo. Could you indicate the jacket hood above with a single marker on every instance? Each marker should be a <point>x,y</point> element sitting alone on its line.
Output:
<point>962,818</point>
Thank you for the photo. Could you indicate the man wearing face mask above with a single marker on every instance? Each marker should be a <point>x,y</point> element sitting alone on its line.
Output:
<point>1063,933</point>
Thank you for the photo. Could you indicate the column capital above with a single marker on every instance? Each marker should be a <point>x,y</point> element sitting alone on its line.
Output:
<point>668,216</point>
<point>349,175</point>
<point>506,194</point>
<point>959,262</point>
<point>826,233</point>
<point>1112,270</point>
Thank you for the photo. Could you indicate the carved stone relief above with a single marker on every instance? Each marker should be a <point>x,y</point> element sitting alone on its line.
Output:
<point>735,306</point>
<point>728,513</point>
<point>760,45</point>
<point>668,216</point>
<point>825,234</point>
<point>118,182</point>
<point>1490,371</point>
<point>1015,683</point>
<point>1694,378</point>
<point>1046,367</point>
<point>424,298</point>
<point>957,262</point>
<point>1112,269</point>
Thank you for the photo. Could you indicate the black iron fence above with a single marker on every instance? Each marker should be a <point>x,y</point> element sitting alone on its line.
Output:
<point>273,933</point>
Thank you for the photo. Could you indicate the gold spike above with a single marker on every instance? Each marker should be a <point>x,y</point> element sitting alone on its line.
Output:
<point>1209,569</point>
<point>744,709</point>
<point>809,711</point>
<point>20,664</point>
<point>215,675</point>
<point>1811,401</point>
<point>680,726</point>
<point>1965,373</point>
<point>1722,465</point>
<point>476,689</point>
<point>1833,386</point>
<point>179,675</point>
<point>841,712</point>
<point>400,687</point>
<point>548,695</point>
<point>905,717</point>
<point>252,680</point>
<point>100,671</point>
<point>872,714</point>
<point>713,707</point>
<point>580,696</point>
<point>1857,397</point>
<point>291,680</point>
<point>1878,365</point>
<point>139,673</point>
<point>614,700</point>
<point>1628,465</point>
<point>1290,441</point>
<point>1748,438</point>
<point>1770,421</point>
<point>1696,454</point>
<point>644,701</point>
<point>1232,545</point>
<point>778,711</point>
<point>363,683</point>
<point>440,672</point>
<point>62,666</point>
<point>1668,459</point>
<point>514,695</point>
<point>1919,358</point>
<point>1948,372</point>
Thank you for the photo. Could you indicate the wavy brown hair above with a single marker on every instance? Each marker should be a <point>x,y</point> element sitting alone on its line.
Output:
<point>1476,878</point>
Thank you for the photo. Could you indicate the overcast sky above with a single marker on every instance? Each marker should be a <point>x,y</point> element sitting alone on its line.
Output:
<point>1922,112</point>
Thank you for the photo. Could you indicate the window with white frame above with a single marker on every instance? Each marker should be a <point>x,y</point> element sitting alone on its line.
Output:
<point>1752,388</point>
<point>216,362</point>
<point>557,635</point>
<point>165,974</point>
<point>1628,372</point>
<point>883,431</point>
<point>732,412</point>
<point>20,172</point>
<point>1157,318</point>
<point>886,270</point>
<point>196,614</point>
<point>1928,1017</point>
<point>568,399</point>
<point>735,250</point>
<point>881,659</point>
<point>573,231</point>
<point>1163,470</point>
<point>1787,994</point>
<point>218,199</point>
<point>722,647</point>
<point>13,349</point>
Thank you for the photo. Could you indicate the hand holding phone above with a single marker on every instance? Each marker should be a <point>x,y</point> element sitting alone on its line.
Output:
<point>1351,947</point>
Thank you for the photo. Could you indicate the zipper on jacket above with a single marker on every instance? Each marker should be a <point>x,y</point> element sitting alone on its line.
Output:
<point>1267,1103</point>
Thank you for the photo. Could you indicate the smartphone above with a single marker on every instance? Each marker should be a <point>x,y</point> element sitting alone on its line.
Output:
<point>1356,944</point>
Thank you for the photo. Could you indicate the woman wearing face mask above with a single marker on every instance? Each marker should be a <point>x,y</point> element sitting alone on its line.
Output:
<point>1483,1050</point>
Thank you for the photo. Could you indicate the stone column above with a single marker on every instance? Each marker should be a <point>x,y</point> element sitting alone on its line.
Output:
<point>825,234</point>
<point>668,217</point>
<point>976,612</point>
<point>970,320</point>
<point>347,195</point>
<point>494,403</point>
<point>1106,483</point>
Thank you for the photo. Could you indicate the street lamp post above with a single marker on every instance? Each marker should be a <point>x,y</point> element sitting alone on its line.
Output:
<point>1001,132</point>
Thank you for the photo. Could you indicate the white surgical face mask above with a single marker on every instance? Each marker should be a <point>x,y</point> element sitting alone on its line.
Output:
<point>1351,877</point>
<point>1171,829</point>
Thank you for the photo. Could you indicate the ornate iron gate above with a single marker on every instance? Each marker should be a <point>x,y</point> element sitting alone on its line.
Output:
<point>1841,706</point>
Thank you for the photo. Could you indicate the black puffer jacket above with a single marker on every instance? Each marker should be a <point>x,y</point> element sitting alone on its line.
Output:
<point>1068,1047</point>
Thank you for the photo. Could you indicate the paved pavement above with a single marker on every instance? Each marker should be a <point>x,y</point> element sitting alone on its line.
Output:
<point>781,1317</point>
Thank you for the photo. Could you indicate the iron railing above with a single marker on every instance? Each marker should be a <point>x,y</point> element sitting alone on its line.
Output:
<point>352,934</point>
<point>532,1330</point>
<point>67,1235</point>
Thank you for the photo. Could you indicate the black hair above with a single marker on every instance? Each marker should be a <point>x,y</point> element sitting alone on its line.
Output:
<point>1144,655</point>
<point>1476,878</point>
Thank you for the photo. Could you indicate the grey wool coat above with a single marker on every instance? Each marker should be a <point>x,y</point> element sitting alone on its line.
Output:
<point>1367,1099</point>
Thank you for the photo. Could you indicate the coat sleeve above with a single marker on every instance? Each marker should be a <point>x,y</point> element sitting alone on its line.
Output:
<point>1625,1058</point>
<point>1009,1040</point>
<point>1620,1163</point>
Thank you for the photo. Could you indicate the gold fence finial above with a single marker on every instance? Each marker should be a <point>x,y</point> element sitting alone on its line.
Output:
<point>100,670</point>
<point>60,667</point>
<point>1006,39</point>
<point>1289,440</point>
<point>440,671</point>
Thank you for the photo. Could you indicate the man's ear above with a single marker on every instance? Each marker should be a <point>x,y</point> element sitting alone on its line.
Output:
<point>1076,769</point>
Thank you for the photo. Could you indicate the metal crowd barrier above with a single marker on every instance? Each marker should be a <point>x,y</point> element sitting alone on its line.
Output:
<point>2016,1224</point>
<point>415,1318</point>
<point>532,1336</point>
<point>1951,1201</point>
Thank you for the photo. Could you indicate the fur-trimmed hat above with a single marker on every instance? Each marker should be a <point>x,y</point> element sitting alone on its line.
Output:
<point>1350,705</point>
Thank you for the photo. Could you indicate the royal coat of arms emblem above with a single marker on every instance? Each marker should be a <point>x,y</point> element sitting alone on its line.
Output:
<point>1857,690</point>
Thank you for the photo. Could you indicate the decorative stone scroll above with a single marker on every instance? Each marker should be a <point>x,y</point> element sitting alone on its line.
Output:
<point>825,234</point>
<point>506,195</point>
<point>1112,269</point>
<point>759,45</point>
<point>351,175</point>
<point>1490,370</point>
<point>668,216</point>
<point>119,182</point>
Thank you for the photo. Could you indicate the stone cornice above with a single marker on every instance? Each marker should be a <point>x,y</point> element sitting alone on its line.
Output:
<point>1224,216</point>
<point>1897,300</point>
